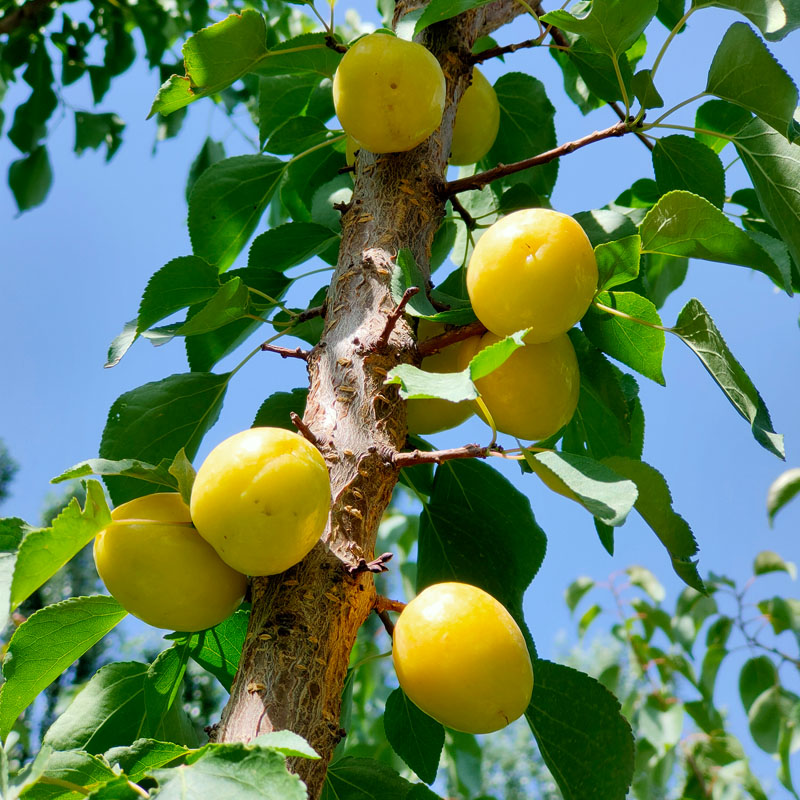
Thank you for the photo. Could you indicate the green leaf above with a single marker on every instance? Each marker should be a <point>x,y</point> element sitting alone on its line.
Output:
<point>416,383</point>
<point>30,178</point>
<point>232,771</point>
<point>281,97</point>
<point>226,204</point>
<point>290,244</point>
<point>110,712</point>
<point>683,224</point>
<point>438,10</point>
<point>304,54</point>
<point>719,116</point>
<point>218,649</point>
<point>215,57</point>
<point>211,152</point>
<point>766,714</point>
<point>611,26</point>
<point>774,167</point>
<point>74,767</point>
<point>405,275</point>
<point>12,531</point>
<point>162,682</point>
<point>576,590</point>
<point>365,779</point>
<point>587,618</point>
<point>604,226</point>
<point>92,131</point>
<point>618,261</point>
<point>774,18</point>
<point>681,162</point>
<point>696,328</point>
<point>296,135</point>
<point>783,614</point>
<point>602,492</point>
<point>287,743</point>
<point>654,503</point>
<point>744,72</point>
<point>417,738</point>
<point>121,344</point>
<point>645,580</point>
<point>495,355</point>
<point>769,561</point>
<point>228,304</point>
<point>526,128</point>
<point>44,551</point>
<point>581,733</point>
<point>127,467</point>
<point>636,344</point>
<point>783,489</point>
<point>179,283</point>
<point>46,644</point>
<point>757,675</point>
<point>157,419</point>
<point>143,756</point>
<point>645,91</point>
<point>275,411</point>
<point>478,529</point>
<point>184,473</point>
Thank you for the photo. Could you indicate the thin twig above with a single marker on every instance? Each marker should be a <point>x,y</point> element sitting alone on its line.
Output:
<point>469,220</point>
<point>303,428</point>
<point>331,43</point>
<point>415,457</point>
<point>286,352</point>
<point>496,52</point>
<point>437,343</point>
<point>481,179</point>
<point>384,617</point>
<point>639,135</point>
<point>309,313</point>
<point>394,316</point>
<point>387,604</point>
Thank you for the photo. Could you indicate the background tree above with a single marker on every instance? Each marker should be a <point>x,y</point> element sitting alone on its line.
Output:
<point>390,236</point>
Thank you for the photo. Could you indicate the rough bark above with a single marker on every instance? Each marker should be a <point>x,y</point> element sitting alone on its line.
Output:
<point>304,622</point>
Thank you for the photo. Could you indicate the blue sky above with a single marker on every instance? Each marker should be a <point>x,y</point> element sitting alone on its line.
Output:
<point>74,269</point>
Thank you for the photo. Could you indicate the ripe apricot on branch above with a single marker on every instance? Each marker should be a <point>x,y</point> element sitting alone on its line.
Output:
<point>261,499</point>
<point>533,269</point>
<point>461,657</point>
<point>434,415</point>
<point>389,93</point>
<point>157,566</point>
<point>535,392</point>
<point>477,122</point>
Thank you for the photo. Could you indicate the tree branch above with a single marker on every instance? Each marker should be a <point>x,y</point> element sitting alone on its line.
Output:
<point>310,313</point>
<point>469,221</point>
<point>394,316</point>
<point>501,170</point>
<point>286,352</point>
<point>639,135</point>
<point>496,52</point>
<point>387,604</point>
<point>13,19</point>
<point>304,429</point>
<point>415,457</point>
<point>437,343</point>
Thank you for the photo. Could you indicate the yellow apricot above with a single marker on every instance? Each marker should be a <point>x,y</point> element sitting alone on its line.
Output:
<point>261,499</point>
<point>158,568</point>
<point>431,415</point>
<point>533,269</point>
<point>477,122</point>
<point>461,657</point>
<point>535,392</point>
<point>388,93</point>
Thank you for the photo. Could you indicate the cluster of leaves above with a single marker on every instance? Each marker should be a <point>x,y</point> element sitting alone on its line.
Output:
<point>643,241</point>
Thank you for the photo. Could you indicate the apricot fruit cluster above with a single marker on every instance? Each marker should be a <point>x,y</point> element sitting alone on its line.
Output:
<point>533,269</point>
<point>389,95</point>
<point>259,504</point>
<point>460,657</point>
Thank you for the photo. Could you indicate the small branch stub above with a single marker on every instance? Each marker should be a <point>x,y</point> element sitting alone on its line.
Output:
<point>376,566</point>
<point>438,456</point>
<point>303,428</point>
<point>394,316</point>
<point>286,352</point>
<point>437,343</point>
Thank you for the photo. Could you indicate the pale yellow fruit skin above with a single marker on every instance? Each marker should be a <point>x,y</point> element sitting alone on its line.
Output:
<point>161,570</point>
<point>477,122</point>
<point>461,657</point>
<point>389,93</point>
<point>430,415</point>
<point>533,269</point>
<point>261,499</point>
<point>535,392</point>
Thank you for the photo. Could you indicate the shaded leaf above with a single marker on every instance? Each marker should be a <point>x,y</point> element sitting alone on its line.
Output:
<point>417,738</point>
<point>774,18</point>
<point>618,261</point>
<point>143,756</point>
<point>30,178</point>
<point>365,779</point>
<point>439,10</point>
<point>719,116</point>
<point>681,162</point>
<point>289,245</point>
<point>275,411</point>
<point>782,490</point>
<point>769,561</point>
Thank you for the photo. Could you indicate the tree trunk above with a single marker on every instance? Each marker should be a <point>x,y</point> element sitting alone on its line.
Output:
<point>304,621</point>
